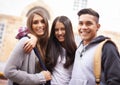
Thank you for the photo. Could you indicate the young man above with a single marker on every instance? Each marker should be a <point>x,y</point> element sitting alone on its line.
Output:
<point>83,69</point>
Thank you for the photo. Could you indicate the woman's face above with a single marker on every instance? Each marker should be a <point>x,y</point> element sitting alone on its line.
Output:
<point>38,25</point>
<point>60,31</point>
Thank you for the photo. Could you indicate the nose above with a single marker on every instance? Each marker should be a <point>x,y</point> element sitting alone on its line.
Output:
<point>59,32</point>
<point>40,24</point>
<point>83,26</point>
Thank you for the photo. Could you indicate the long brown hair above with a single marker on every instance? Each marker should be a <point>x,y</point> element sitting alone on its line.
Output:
<point>42,41</point>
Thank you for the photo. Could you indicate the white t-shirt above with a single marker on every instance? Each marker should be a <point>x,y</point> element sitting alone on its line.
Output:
<point>61,75</point>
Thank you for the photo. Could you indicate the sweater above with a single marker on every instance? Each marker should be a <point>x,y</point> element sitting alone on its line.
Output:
<point>23,68</point>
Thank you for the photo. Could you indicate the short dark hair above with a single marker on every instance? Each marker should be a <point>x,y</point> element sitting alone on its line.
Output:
<point>88,11</point>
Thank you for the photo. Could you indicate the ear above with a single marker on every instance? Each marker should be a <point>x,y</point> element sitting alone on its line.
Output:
<point>98,26</point>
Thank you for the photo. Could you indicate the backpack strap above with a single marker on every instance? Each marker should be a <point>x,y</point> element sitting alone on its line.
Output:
<point>97,61</point>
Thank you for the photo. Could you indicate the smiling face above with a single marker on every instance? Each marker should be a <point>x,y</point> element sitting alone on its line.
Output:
<point>88,27</point>
<point>38,25</point>
<point>60,31</point>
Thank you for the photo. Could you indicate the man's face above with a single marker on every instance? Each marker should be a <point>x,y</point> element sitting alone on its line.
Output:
<point>87,27</point>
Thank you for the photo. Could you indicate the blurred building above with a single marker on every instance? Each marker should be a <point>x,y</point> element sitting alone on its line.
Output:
<point>9,27</point>
<point>9,24</point>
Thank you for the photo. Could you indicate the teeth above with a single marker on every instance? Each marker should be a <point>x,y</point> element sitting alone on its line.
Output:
<point>61,37</point>
<point>40,30</point>
<point>84,31</point>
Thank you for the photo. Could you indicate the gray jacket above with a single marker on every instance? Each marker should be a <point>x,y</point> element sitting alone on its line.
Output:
<point>22,68</point>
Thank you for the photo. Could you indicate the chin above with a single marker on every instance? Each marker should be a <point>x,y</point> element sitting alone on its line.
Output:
<point>40,34</point>
<point>61,40</point>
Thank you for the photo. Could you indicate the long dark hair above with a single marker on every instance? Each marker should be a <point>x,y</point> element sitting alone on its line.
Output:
<point>54,48</point>
<point>90,12</point>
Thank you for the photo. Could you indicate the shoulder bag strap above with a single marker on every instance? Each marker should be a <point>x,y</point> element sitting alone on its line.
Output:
<point>41,62</point>
<point>39,57</point>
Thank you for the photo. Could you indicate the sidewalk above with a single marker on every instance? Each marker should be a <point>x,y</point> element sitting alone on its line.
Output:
<point>2,65</point>
<point>3,82</point>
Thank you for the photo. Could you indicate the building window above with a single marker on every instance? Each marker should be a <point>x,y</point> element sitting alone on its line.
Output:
<point>79,4</point>
<point>83,3</point>
<point>76,4</point>
<point>2,28</point>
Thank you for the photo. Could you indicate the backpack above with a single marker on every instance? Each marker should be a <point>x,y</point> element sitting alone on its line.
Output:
<point>97,60</point>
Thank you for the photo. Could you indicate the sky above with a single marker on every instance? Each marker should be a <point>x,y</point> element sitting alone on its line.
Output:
<point>109,10</point>
<point>109,13</point>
